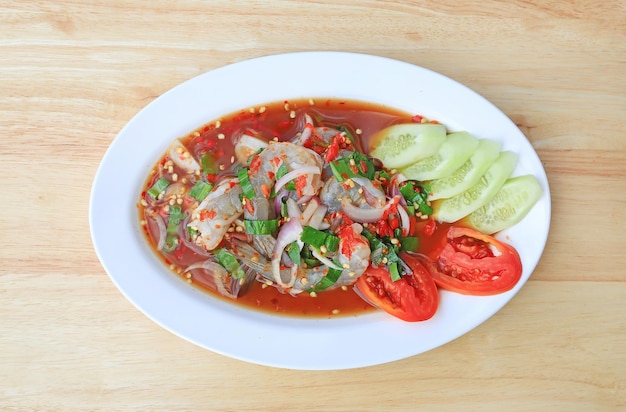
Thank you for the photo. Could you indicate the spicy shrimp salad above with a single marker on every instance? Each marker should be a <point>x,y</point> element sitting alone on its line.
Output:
<point>305,211</point>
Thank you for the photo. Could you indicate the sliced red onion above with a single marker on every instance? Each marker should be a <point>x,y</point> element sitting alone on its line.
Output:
<point>289,232</point>
<point>304,199</point>
<point>324,259</point>
<point>366,215</point>
<point>293,210</point>
<point>217,278</point>
<point>278,200</point>
<point>309,210</point>
<point>405,221</point>
<point>394,187</point>
<point>305,170</point>
<point>162,231</point>
<point>317,218</point>
<point>374,196</point>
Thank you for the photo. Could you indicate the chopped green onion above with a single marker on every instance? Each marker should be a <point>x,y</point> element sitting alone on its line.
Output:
<point>317,238</point>
<point>192,232</point>
<point>284,211</point>
<point>345,130</point>
<point>327,281</point>
<point>364,165</point>
<point>261,227</point>
<point>410,243</point>
<point>208,164</point>
<point>175,217</point>
<point>394,272</point>
<point>341,169</point>
<point>160,185</point>
<point>230,263</point>
<point>282,170</point>
<point>331,243</point>
<point>200,190</point>
<point>410,210</point>
<point>293,250</point>
<point>290,185</point>
<point>417,195</point>
<point>246,186</point>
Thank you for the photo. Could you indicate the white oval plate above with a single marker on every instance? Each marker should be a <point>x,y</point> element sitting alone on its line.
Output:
<point>313,344</point>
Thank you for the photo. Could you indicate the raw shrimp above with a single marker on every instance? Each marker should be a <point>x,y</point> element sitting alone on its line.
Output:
<point>216,212</point>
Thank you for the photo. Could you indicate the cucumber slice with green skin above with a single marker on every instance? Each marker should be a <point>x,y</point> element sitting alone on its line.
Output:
<point>403,144</point>
<point>452,154</point>
<point>457,207</point>
<point>468,174</point>
<point>517,196</point>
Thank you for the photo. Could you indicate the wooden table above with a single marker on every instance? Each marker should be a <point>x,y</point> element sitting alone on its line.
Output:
<point>72,73</point>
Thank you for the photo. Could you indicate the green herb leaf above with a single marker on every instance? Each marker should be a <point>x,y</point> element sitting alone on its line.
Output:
<point>230,263</point>
<point>261,227</point>
<point>200,190</point>
<point>159,186</point>
<point>246,186</point>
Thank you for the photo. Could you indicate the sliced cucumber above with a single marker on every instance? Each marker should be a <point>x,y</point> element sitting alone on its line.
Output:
<point>468,174</point>
<point>517,196</point>
<point>452,154</point>
<point>461,205</point>
<point>402,144</point>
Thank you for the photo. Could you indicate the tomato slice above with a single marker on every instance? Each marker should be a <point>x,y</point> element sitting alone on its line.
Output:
<point>469,262</point>
<point>413,298</point>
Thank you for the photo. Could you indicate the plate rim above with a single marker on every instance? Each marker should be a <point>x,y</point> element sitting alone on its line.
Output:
<point>279,323</point>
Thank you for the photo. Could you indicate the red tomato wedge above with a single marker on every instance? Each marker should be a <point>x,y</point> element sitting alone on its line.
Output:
<point>469,262</point>
<point>413,298</point>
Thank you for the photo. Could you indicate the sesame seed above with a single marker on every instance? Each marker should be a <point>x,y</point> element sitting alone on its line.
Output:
<point>352,162</point>
<point>171,202</point>
<point>346,266</point>
<point>175,177</point>
<point>232,159</point>
<point>286,106</point>
<point>144,203</point>
<point>424,217</point>
<point>313,294</point>
<point>292,114</point>
<point>239,229</point>
<point>336,311</point>
<point>222,167</point>
<point>197,173</point>
<point>189,281</point>
<point>351,274</point>
<point>196,134</point>
<point>269,282</point>
<point>358,131</point>
<point>275,139</point>
<point>323,249</point>
<point>179,201</point>
<point>304,281</point>
<point>424,120</point>
<point>221,136</point>
<point>143,223</point>
<point>385,260</point>
<point>263,286</point>
<point>170,169</point>
<point>262,109</point>
<point>394,171</point>
<point>172,266</point>
<point>218,124</point>
<point>344,288</point>
<point>188,275</point>
<point>252,110</point>
<point>254,258</point>
<point>312,102</point>
<point>395,241</point>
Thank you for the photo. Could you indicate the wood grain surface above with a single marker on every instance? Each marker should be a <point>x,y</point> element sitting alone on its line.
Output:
<point>72,73</point>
